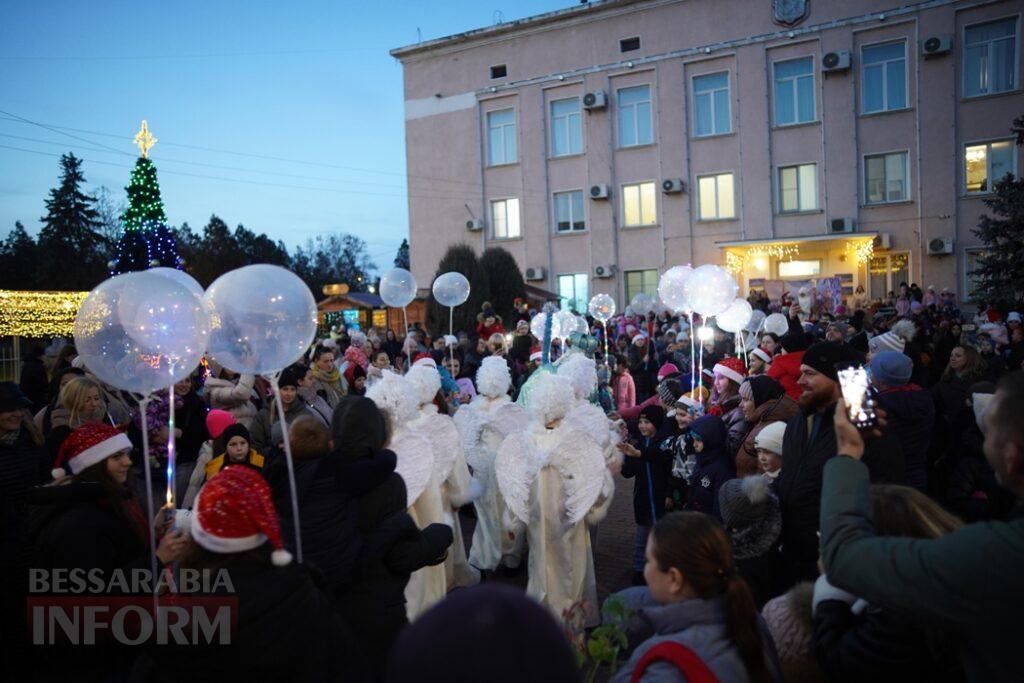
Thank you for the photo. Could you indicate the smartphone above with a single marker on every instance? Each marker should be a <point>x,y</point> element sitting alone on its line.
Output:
<point>859,396</point>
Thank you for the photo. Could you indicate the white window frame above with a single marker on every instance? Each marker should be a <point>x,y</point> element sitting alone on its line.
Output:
<point>717,216</point>
<point>711,99</point>
<point>796,95</point>
<point>490,151</point>
<point>566,120</point>
<point>636,119</point>
<point>494,224</point>
<point>906,170</point>
<point>988,165</point>
<point>890,285</point>
<point>639,185</point>
<point>625,282</point>
<point>885,78</point>
<point>586,296</point>
<point>778,194</point>
<point>966,291</point>
<point>1015,86</point>
<point>554,212</point>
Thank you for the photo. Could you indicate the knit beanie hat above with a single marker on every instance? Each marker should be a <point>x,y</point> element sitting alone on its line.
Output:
<point>654,414</point>
<point>234,430</point>
<point>667,370</point>
<point>824,356</point>
<point>751,515</point>
<point>891,368</point>
<point>733,368</point>
<point>217,421</point>
<point>895,339</point>
<point>234,513</point>
<point>669,392</point>
<point>793,341</point>
<point>291,376</point>
<point>761,388</point>
<point>770,437</point>
<point>91,443</point>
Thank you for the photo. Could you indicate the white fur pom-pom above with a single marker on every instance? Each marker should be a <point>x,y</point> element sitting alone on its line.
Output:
<point>281,558</point>
<point>58,473</point>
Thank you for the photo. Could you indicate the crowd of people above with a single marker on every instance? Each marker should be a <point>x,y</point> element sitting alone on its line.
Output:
<point>774,540</point>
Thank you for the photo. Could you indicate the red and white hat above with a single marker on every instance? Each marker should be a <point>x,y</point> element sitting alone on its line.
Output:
<point>762,354</point>
<point>733,368</point>
<point>536,354</point>
<point>235,513</point>
<point>91,443</point>
<point>424,360</point>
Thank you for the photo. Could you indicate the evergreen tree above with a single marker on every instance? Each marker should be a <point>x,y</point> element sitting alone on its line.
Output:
<point>462,259</point>
<point>402,257</point>
<point>70,248</point>
<point>505,281</point>
<point>147,241</point>
<point>333,260</point>
<point>19,260</point>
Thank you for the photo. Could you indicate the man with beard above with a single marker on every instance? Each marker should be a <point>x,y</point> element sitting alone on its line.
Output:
<point>810,441</point>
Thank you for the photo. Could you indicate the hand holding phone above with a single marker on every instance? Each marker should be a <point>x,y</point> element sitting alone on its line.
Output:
<point>858,396</point>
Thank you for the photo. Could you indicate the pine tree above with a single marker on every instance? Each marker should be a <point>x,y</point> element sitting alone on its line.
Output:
<point>19,257</point>
<point>402,257</point>
<point>505,280</point>
<point>70,247</point>
<point>146,242</point>
<point>462,259</point>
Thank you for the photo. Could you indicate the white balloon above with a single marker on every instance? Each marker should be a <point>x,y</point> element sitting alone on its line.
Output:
<point>710,289</point>
<point>180,277</point>
<point>756,320</point>
<point>263,319</point>
<point>671,288</point>
<point>602,307</point>
<point>582,326</point>
<point>642,303</point>
<point>537,325</point>
<point>776,323</point>
<point>397,288</point>
<point>566,323</point>
<point>451,289</point>
<point>736,317</point>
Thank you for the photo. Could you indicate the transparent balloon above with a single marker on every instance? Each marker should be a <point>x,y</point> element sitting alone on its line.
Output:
<point>582,326</point>
<point>642,303</point>
<point>756,320</point>
<point>566,322</point>
<point>671,288</point>
<point>537,325</point>
<point>263,319</point>
<point>397,288</point>
<point>149,349</point>
<point>182,278</point>
<point>710,289</point>
<point>602,307</point>
<point>736,317</point>
<point>451,289</point>
<point>776,323</point>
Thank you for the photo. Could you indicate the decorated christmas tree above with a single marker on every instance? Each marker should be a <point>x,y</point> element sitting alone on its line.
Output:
<point>146,242</point>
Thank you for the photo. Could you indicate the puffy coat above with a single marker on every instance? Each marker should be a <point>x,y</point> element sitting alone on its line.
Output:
<point>713,466</point>
<point>785,369</point>
<point>773,410</point>
<point>736,427</point>
<point>234,397</point>
<point>910,412</point>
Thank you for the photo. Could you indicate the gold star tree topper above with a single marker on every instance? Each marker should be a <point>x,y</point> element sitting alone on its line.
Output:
<point>144,140</point>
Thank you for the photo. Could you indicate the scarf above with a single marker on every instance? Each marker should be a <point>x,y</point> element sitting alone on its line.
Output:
<point>332,377</point>
<point>10,438</point>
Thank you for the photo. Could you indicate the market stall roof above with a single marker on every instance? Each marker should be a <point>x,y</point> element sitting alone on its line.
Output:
<point>350,300</point>
<point>540,294</point>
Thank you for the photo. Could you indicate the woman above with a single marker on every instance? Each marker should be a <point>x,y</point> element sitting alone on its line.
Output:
<point>263,425</point>
<point>379,362</point>
<point>964,368</point>
<point>65,356</point>
<point>694,600</point>
<point>762,401</point>
<point>81,401</point>
<point>42,419</point>
<point>729,375</point>
<point>327,379</point>
<point>623,389</point>
<point>392,344</point>
<point>227,390</point>
<point>855,641</point>
<point>770,343</point>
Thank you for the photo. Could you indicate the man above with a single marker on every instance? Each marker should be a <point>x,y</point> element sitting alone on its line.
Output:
<point>809,443</point>
<point>968,582</point>
<point>909,409</point>
<point>837,331</point>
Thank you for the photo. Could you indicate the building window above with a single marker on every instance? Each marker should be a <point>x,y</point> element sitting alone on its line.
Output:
<point>990,57</point>
<point>572,290</point>
<point>711,104</point>
<point>505,218</point>
<point>641,281</point>
<point>501,137</point>
<point>639,205</point>
<point>886,178</point>
<point>499,71</point>
<point>715,197</point>
<point>794,91</point>
<point>798,188</point>
<point>972,258</point>
<point>884,77</point>
<point>886,272</point>
<point>629,44</point>
<point>566,127</point>
<point>635,116</point>
<point>986,163</point>
<point>569,211</point>
<point>794,269</point>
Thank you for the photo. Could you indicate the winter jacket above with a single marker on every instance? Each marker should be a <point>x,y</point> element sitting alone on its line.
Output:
<point>910,412</point>
<point>785,369</point>
<point>643,366</point>
<point>698,624</point>
<point>652,471</point>
<point>262,429</point>
<point>735,426</point>
<point>974,494</point>
<point>968,582</point>
<point>714,466</point>
<point>288,629</point>
<point>232,396</point>
<point>255,460</point>
<point>191,420</point>
<point>805,450</point>
<point>624,391</point>
<point>33,382</point>
<point>773,410</point>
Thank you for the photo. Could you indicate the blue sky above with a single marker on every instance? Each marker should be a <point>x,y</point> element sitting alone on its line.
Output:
<point>284,116</point>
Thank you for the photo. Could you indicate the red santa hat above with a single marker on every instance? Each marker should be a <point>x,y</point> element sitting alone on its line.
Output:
<point>536,354</point>
<point>733,368</point>
<point>762,354</point>
<point>91,443</point>
<point>424,360</point>
<point>235,513</point>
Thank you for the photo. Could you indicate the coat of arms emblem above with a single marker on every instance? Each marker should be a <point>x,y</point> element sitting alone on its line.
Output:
<point>790,12</point>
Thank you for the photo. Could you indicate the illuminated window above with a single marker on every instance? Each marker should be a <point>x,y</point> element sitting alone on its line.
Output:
<point>505,218</point>
<point>639,205</point>
<point>715,198</point>
<point>792,269</point>
<point>798,188</point>
<point>986,163</point>
<point>641,281</point>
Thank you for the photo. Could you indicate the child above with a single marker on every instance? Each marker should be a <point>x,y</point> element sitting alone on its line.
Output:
<point>713,466</point>
<point>652,469</point>
<point>623,387</point>
<point>768,443</point>
<point>237,451</point>
<point>216,422</point>
<point>379,361</point>
<point>696,602</point>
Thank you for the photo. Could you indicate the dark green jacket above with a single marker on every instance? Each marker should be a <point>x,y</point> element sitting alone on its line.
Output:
<point>970,582</point>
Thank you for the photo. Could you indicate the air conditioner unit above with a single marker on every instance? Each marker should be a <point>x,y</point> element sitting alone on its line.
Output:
<point>835,61</point>
<point>936,46</point>
<point>536,273</point>
<point>475,224</point>
<point>883,240</point>
<point>604,271</point>
<point>940,246</point>
<point>599,191</point>
<point>595,100</point>
<point>672,185</point>
<point>842,225</point>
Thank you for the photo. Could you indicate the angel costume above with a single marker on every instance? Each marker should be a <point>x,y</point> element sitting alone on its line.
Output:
<point>456,486</point>
<point>483,425</point>
<point>555,482</point>
<point>584,415</point>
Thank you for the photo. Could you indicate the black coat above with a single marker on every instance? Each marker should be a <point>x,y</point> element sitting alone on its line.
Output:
<point>653,474</point>
<point>33,382</point>
<point>287,630</point>
<point>643,366</point>
<point>910,412</point>
<point>713,467</point>
<point>799,485</point>
<point>191,420</point>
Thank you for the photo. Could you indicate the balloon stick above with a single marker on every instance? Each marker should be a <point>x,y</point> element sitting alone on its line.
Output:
<point>143,402</point>
<point>451,332</point>
<point>693,358</point>
<point>170,450</point>
<point>405,338</point>
<point>288,461</point>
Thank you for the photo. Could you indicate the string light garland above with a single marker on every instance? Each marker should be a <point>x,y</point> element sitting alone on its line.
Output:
<point>38,314</point>
<point>735,262</point>
<point>862,250</point>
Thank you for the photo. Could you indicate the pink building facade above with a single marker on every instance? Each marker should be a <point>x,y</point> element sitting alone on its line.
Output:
<point>789,141</point>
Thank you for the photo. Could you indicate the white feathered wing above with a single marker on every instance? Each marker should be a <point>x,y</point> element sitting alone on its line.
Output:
<point>415,463</point>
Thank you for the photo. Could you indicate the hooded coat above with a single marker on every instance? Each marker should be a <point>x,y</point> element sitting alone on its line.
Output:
<point>714,466</point>
<point>773,410</point>
<point>652,472</point>
<point>262,429</point>
<point>785,369</point>
<point>232,396</point>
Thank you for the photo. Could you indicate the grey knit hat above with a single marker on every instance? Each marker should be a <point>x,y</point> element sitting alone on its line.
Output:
<point>750,512</point>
